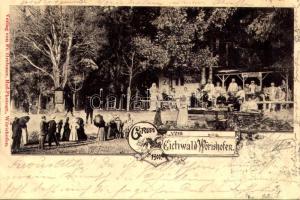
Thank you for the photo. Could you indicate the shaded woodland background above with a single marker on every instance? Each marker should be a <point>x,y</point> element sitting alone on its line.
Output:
<point>121,49</point>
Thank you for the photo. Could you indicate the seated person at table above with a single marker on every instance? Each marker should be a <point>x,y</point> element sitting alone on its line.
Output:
<point>194,101</point>
<point>221,100</point>
<point>173,93</point>
<point>240,94</point>
<point>249,105</point>
<point>247,89</point>
<point>218,90</point>
<point>233,87</point>
<point>164,95</point>
<point>232,102</point>
<point>283,85</point>
<point>209,88</point>
<point>281,94</point>
<point>206,99</point>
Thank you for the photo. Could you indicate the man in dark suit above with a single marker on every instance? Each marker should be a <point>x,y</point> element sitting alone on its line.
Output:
<point>43,132</point>
<point>16,135</point>
<point>17,126</point>
<point>69,104</point>
<point>88,109</point>
<point>52,132</point>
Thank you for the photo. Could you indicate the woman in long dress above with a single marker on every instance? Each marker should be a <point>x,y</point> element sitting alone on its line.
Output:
<point>24,137</point>
<point>74,127</point>
<point>80,131</point>
<point>67,130</point>
<point>100,123</point>
<point>102,133</point>
<point>182,119</point>
<point>153,97</point>
<point>157,118</point>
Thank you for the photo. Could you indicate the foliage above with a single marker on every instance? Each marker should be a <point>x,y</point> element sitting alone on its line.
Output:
<point>53,38</point>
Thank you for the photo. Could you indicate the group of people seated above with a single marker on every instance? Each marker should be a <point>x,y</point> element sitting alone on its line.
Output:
<point>243,99</point>
<point>235,96</point>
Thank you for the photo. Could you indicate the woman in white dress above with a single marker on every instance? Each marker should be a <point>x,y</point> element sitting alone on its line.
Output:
<point>24,139</point>
<point>153,97</point>
<point>74,127</point>
<point>182,119</point>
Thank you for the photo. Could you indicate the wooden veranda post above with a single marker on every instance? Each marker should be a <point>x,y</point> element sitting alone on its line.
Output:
<point>260,80</point>
<point>203,81</point>
<point>210,75</point>
<point>287,86</point>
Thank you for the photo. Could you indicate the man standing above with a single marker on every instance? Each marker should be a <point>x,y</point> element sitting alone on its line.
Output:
<point>52,132</point>
<point>241,94</point>
<point>43,132</point>
<point>69,104</point>
<point>88,109</point>
<point>272,95</point>
<point>16,135</point>
<point>233,87</point>
<point>17,126</point>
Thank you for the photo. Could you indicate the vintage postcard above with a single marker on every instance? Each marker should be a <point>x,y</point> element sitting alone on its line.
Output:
<point>149,100</point>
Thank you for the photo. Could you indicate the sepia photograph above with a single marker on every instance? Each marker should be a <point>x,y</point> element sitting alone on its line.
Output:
<point>81,77</point>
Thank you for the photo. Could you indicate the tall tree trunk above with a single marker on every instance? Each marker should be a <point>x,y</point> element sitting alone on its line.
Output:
<point>74,100</point>
<point>130,82</point>
<point>67,61</point>
<point>39,103</point>
<point>128,98</point>
<point>129,90</point>
<point>227,54</point>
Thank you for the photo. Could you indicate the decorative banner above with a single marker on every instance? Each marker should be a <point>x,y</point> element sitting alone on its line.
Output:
<point>199,145</point>
<point>157,148</point>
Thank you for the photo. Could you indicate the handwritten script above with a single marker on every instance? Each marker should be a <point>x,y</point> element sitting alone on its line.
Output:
<point>265,170</point>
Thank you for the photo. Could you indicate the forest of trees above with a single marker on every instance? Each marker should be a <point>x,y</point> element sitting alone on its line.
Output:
<point>112,47</point>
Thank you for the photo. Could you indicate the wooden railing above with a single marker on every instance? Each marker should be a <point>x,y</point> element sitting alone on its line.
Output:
<point>267,104</point>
